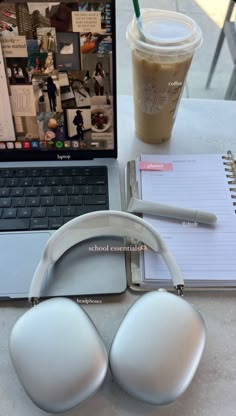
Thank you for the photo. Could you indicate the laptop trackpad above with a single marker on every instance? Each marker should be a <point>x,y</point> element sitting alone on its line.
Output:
<point>89,268</point>
<point>20,254</point>
<point>95,266</point>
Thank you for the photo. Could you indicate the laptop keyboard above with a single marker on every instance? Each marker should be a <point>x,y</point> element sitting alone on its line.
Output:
<point>47,198</point>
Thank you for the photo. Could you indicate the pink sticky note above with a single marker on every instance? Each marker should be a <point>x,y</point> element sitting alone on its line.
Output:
<point>155,166</point>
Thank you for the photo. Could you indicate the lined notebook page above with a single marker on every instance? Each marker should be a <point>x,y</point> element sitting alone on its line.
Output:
<point>204,253</point>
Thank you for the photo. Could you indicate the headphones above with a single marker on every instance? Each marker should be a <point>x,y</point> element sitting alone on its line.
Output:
<point>58,354</point>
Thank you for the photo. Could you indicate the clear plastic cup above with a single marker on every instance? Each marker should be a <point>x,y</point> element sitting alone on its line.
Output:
<point>162,52</point>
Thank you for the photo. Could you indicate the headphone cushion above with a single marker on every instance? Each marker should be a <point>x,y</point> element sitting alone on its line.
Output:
<point>157,348</point>
<point>58,355</point>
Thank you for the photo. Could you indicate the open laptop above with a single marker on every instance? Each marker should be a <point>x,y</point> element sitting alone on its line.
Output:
<point>57,158</point>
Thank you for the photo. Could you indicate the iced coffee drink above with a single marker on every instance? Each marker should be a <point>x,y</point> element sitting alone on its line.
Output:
<point>160,64</point>
<point>157,88</point>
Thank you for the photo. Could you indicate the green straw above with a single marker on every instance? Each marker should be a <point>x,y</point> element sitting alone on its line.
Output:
<point>136,9</point>
<point>139,20</point>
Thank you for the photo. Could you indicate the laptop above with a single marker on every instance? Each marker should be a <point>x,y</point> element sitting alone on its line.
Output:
<point>65,88</point>
<point>57,157</point>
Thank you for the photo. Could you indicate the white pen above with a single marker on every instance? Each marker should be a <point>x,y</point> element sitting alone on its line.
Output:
<point>163,210</point>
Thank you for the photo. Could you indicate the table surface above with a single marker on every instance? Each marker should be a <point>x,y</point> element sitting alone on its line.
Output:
<point>202,126</point>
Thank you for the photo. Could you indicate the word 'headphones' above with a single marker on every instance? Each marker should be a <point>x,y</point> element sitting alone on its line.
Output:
<point>58,354</point>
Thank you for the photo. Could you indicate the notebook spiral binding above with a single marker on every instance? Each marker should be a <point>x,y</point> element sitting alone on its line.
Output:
<point>230,162</point>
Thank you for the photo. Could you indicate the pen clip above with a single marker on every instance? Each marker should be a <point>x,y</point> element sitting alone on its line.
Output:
<point>133,184</point>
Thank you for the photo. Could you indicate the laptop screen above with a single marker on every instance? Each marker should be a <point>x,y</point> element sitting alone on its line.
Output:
<point>57,80</point>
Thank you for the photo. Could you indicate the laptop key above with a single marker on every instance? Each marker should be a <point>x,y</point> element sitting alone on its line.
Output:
<point>6,173</point>
<point>53,181</point>
<point>45,191</point>
<point>61,200</point>
<point>73,190</point>
<point>4,192</point>
<point>5,202</point>
<point>53,212</point>
<point>11,182</point>
<point>99,171</point>
<point>76,200</point>
<point>39,181</point>
<point>47,201</point>
<point>66,180</point>
<point>35,172</point>
<point>21,172</point>
<point>86,171</point>
<point>86,189</point>
<point>59,190</point>
<point>55,223</point>
<point>16,224</point>
<point>89,208</point>
<point>39,212</point>
<point>99,189</point>
<point>18,202</point>
<point>39,224</point>
<point>68,211</point>
<point>93,180</point>
<point>95,200</point>
<point>80,180</point>
<point>24,212</point>
<point>59,172</point>
<point>25,182</point>
<point>31,191</point>
<point>74,171</point>
<point>32,202</point>
<point>17,191</point>
<point>47,172</point>
<point>9,213</point>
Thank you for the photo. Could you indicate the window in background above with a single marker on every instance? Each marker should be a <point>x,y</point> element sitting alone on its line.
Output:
<point>210,16</point>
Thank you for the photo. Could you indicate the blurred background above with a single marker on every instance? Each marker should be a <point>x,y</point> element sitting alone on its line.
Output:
<point>216,19</point>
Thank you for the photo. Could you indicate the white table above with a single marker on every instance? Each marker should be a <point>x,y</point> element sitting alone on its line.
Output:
<point>202,126</point>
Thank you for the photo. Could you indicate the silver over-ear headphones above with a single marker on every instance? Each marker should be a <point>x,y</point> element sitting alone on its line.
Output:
<point>58,354</point>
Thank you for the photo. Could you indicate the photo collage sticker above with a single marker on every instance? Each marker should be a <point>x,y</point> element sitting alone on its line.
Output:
<point>58,62</point>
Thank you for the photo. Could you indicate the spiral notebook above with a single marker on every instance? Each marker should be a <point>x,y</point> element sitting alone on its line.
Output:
<point>205,254</point>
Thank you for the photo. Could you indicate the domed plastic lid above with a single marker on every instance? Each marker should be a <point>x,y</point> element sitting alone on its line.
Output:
<point>164,32</point>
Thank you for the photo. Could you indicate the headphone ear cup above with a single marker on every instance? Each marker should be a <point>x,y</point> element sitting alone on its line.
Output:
<point>157,348</point>
<point>58,355</point>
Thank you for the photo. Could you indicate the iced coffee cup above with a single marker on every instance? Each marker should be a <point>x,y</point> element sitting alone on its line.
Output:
<point>162,52</point>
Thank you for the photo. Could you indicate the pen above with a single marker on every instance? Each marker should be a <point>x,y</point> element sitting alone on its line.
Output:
<point>186,214</point>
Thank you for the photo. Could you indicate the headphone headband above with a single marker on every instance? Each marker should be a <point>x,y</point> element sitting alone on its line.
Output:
<point>98,224</point>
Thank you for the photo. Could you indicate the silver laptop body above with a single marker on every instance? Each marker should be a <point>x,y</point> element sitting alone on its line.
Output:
<point>41,131</point>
